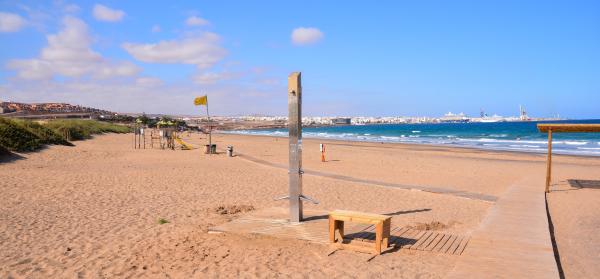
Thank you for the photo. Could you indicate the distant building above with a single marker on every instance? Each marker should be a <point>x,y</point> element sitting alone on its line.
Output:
<point>341,121</point>
<point>523,114</point>
<point>451,117</point>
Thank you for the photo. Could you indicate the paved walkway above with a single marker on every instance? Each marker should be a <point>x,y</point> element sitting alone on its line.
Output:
<point>513,241</point>
<point>431,189</point>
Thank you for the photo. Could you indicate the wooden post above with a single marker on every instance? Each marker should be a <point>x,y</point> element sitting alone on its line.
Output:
<point>549,162</point>
<point>295,145</point>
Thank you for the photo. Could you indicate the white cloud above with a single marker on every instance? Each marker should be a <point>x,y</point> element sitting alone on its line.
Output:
<point>124,68</point>
<point>11,22</point>
<point>306,35</point>
<point>156,28</point>
<point>149,81</point>
<point>212,78</point>
<point>71,8</point>
<point>196,21</point>
<point>104,13</point>
<point>69,54</point>
<point>204,51</point>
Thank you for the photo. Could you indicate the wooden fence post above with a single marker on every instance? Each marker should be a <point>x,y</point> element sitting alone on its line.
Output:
<point>549,162</point>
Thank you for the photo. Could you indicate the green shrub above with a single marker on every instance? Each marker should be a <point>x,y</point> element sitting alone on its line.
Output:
<point>25,135</point>
<point>84,129</point>
<point>45,134</point>
<point>16,137</point>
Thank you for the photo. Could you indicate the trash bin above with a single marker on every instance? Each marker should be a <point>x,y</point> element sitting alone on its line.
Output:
<point>230,150</point>
<point>210,149</point>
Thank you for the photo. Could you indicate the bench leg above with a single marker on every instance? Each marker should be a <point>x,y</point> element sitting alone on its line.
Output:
<point>386,233</point>
<point>378,237</point>
<point>331,230</point>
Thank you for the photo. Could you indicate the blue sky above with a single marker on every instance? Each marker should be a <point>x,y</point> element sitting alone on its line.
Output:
<point>415,58</point>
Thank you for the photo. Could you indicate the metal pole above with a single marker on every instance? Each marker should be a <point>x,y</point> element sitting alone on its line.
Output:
<point>209,128</point>
<point>549,163</point>
<point>295,145</point>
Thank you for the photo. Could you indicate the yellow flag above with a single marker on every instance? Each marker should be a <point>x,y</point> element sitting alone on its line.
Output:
<point>199,101</point>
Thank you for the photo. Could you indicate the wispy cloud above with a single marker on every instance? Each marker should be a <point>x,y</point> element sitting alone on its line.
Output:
<point>156,28</point>
<point>212,77</point>
<point>306,35</point>
<point>204,51</point>
<point>71,8</point>
<point>196,21</point>
<point>104,13</point>
<point>10,22</point>
<point>149,81</point>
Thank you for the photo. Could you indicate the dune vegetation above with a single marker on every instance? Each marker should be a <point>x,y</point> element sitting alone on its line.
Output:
<point>26,135</point>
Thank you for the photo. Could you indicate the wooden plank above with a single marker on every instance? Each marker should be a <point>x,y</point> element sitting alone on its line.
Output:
<point>569,128</point>
<point>434,242</point>
<point>422,239</point>
<point>379,238</point>
<point>358,215</point>
<point>397,232</point>
<point>405,238</point>
<point>411,233</point>
<point>513,241</point>
<point>416,237</point>
<point>448,244</point>
<point>396,239</point>
<point>462,246</point>
<point>442,242</point>
<point>454,245</point>
<point>427,242</point>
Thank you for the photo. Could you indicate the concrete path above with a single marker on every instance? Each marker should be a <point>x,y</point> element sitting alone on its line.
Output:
<point>513,241</point>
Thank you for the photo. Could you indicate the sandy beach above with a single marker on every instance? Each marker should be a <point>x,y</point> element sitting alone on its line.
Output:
<point>92,210</point>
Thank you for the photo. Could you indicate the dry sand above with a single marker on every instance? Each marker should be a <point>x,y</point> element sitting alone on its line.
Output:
<point>575,212</point>
<point>92,210</point>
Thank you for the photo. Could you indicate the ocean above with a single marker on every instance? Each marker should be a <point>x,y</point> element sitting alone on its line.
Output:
<point>507,136</point>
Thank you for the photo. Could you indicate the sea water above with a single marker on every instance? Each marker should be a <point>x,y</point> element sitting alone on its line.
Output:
<point>508,136</point>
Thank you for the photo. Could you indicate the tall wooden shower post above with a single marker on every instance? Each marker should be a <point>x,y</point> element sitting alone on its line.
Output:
<point>295,145</point>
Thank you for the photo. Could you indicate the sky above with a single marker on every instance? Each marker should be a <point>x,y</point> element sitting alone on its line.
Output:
<point>357,58</point>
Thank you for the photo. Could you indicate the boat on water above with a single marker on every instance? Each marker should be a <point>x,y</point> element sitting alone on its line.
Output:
<point>491,119</point>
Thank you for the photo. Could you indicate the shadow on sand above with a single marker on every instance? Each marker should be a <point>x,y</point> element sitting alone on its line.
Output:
<point>581,183</point>
<point>7,157</point>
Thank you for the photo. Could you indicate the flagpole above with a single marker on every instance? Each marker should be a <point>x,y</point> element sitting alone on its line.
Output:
<point>209,128</point>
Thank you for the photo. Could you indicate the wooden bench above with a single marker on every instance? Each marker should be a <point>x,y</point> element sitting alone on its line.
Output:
<point>382,225</point>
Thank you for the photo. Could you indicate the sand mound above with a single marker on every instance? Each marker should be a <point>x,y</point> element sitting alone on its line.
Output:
<point>233,209</point>
<point>432,226</point>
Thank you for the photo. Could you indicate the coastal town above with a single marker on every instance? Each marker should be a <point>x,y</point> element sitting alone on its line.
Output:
<point>63,110</point>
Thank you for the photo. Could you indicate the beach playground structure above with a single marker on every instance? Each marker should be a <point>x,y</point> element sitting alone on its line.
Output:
<point>165,137</point>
